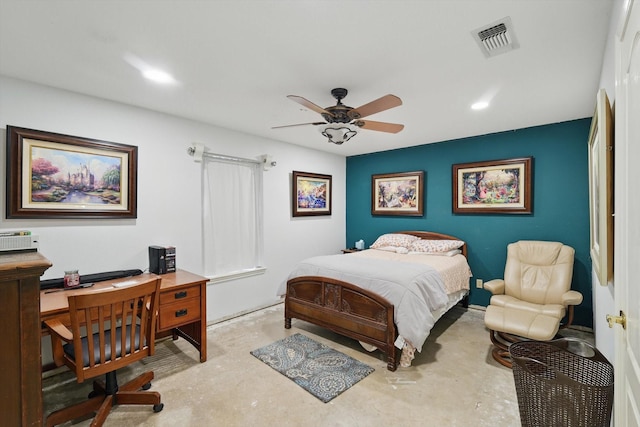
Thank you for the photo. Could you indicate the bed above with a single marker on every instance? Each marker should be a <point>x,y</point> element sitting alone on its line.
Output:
<point>354,294</point>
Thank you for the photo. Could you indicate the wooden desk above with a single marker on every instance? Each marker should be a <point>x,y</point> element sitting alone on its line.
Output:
<point>182,311</point>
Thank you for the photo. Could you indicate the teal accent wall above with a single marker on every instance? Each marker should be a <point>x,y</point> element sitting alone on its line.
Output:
<point>560,199</point>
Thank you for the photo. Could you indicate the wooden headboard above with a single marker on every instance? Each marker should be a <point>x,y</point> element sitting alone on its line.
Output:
<point>430,235</point>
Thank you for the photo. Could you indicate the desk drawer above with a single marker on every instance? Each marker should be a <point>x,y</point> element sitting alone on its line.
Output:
<point>178,313</point>
<point>167,297</point>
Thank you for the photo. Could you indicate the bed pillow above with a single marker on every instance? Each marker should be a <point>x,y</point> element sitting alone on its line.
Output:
<point>396,249</point>
<point>434,246</point>
<point>452,252</point>
<point>394,239</point>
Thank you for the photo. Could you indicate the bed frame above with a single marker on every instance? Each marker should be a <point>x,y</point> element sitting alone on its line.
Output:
<point>347,309</point>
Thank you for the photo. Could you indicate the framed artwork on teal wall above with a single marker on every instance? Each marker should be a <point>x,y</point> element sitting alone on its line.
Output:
<point>494,186</point>
<point>311,194</point>
<point>398,194</point>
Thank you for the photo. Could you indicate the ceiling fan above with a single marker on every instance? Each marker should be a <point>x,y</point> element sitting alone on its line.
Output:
<point>343,122</point>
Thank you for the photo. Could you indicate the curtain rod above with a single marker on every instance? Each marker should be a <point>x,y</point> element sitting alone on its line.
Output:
<point>197,151</point>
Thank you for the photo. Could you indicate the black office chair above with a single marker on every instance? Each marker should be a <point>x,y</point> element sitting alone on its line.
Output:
<point>107,313</point>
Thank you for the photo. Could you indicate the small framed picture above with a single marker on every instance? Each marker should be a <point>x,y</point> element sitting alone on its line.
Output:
<point>398,194</point>
<point>311,194</point>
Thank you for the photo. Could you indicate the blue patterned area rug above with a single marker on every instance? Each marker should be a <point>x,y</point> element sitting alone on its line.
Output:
<point>321,370</point>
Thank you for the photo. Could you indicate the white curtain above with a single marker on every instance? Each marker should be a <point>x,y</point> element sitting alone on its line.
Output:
<point>232,216</point>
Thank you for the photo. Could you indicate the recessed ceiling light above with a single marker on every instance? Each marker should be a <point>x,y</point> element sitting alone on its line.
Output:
<point>148,72</point>
<point>480,105</point>
<point>158,76</point>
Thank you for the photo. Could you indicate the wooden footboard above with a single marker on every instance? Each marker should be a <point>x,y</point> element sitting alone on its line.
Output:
<point>345,309</point>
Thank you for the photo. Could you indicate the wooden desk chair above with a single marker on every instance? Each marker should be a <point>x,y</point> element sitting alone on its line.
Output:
<point>107,313</point>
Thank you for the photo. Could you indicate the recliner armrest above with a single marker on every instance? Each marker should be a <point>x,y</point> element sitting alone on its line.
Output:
<point>572,298</point>
<point>495,286</point>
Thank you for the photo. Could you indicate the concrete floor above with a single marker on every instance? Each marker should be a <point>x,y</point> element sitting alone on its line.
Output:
<point>453,382</point>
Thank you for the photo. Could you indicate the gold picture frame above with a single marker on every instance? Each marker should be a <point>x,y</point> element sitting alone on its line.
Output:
<point>601,189</point>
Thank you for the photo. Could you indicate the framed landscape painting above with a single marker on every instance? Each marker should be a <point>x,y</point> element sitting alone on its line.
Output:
<point>51,175</point>
<point>311,194</point>
<point>398,194</point>
<point>495,186</point>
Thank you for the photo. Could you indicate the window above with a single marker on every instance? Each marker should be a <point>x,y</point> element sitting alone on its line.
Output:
<point>232,217</point>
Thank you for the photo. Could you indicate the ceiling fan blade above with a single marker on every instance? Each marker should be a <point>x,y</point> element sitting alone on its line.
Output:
<point>300,124</point>
<point>379,126</point>
<point>310,105</point>
<point>380,104</point>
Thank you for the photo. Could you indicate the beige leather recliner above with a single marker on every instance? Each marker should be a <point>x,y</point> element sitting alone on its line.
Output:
<point>533,297</point>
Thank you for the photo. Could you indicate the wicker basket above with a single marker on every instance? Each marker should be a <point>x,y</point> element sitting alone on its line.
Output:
<point>566,382</point>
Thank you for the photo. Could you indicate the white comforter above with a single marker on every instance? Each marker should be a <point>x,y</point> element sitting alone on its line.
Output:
<point>414,288</point>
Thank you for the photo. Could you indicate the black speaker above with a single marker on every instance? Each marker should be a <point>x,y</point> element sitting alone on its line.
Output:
<point>162,259</point>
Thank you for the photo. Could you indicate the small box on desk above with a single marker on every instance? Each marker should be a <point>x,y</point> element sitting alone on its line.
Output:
<point>162,259</point>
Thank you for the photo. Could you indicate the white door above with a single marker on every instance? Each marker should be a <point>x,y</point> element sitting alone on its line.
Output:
<point>627,219</point>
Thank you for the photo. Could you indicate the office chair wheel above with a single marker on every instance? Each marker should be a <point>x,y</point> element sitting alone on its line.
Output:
<point>158,407</point>
<point>146,386</point>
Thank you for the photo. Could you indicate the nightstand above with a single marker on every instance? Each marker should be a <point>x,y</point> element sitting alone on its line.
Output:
<point>350,250</point>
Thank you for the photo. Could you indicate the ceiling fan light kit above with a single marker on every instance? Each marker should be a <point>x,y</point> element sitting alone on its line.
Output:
<point>343,122</point>
<point>339,133</point>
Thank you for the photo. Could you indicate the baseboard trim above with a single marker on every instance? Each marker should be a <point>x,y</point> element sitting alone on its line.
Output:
<point>242,313</point>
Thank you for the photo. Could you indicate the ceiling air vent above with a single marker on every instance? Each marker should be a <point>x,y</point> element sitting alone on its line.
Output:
<point>496,38</point>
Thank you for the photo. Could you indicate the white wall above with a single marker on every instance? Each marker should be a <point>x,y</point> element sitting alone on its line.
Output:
<point>169,192</point>
<point>603,296</point>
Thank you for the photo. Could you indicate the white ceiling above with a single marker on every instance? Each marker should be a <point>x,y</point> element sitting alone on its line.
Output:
<point>236,61</point>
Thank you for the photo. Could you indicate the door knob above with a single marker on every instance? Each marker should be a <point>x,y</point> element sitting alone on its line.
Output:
<point>622,319</point>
